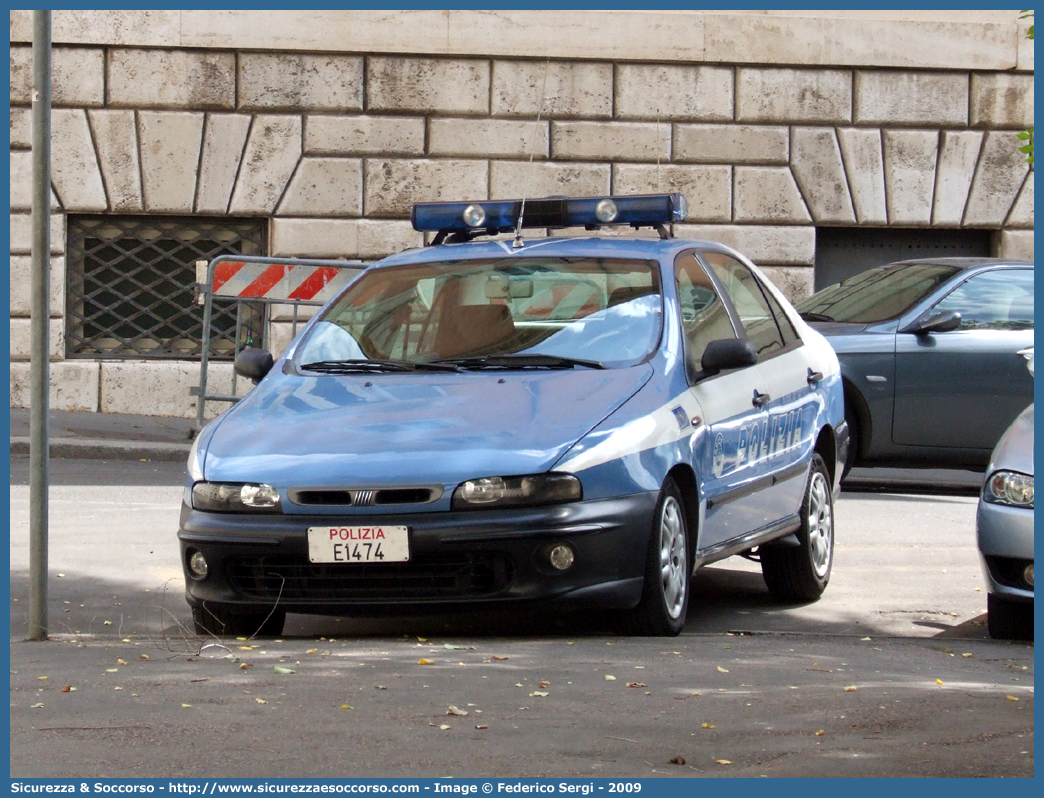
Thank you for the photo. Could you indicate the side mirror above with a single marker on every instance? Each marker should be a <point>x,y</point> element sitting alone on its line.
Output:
<point>727,353</point>
<point>940,321</point>
<point>253,364</point>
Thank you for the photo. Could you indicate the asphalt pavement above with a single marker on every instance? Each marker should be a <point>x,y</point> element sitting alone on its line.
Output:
<point>123,688</point>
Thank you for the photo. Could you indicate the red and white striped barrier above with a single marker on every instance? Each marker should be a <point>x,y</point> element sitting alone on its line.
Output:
<point>279,281</point>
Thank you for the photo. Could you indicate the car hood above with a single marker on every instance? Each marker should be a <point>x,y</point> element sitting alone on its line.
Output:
<point>1014,451</point>
<point>399,429</point>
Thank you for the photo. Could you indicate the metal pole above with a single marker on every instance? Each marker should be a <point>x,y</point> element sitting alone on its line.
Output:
<point>40,311</point>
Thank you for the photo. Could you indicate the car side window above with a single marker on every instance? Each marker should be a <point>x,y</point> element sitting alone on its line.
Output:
<point>703,314</point>
<point>997,300</point>
<point>750,303</point>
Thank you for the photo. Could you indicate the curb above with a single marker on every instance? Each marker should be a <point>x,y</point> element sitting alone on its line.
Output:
<point>94,449</point>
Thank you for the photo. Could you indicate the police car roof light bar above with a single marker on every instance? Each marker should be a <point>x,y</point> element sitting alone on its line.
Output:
<point>462,221</point>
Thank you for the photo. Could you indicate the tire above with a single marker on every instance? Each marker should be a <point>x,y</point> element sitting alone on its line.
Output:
<point>209,620</point>
<point>1009,620</point>
<point>800,573</point>
<point>853,440</point>
<point>668,569</point>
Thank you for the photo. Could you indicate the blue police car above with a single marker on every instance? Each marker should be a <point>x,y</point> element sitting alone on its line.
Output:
<point>507,422</point>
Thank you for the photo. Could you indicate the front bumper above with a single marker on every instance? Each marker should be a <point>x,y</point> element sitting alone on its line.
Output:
<point>479,557</point>
<point>1005,540</point>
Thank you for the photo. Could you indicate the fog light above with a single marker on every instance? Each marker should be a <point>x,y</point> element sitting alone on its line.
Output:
<point>197,564</point>
<point>1027,575</point>
<point>562,557</point>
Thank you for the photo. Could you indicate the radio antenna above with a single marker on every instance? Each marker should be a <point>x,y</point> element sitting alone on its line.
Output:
<point>517,243</point>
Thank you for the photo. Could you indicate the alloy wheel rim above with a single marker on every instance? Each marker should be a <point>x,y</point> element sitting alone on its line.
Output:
<point>673,557</point>
<point>820,525</point>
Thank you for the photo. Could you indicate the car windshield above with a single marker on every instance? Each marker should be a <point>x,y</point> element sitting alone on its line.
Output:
<point>876,295</point>
<point>496,313</point>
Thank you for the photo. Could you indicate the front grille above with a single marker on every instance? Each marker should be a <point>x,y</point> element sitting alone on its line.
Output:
<point>425,577</point>
<point>364,498</point>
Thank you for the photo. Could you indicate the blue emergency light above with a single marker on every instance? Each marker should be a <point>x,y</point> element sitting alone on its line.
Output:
<point>464,220</point>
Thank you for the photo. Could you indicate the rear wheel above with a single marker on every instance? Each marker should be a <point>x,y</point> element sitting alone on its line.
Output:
<point>800,573</point>
<point>219,621</point>
<point>668,567</point>
<point>1009,620</point>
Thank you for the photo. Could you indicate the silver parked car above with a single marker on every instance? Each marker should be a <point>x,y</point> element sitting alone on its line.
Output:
<point>1004,528</point>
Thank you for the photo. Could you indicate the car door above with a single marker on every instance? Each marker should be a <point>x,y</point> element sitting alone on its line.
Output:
<point>731,422</point>
<point>962,388</point>
<point>779,451</point>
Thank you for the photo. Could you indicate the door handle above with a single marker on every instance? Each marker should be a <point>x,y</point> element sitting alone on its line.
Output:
<point>814,376</point>
<point>760,398</point>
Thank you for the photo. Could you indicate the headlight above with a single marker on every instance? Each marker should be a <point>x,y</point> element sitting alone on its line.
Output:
<point>517,491</point>
<point>195,467</point>
<point>234,497</point>
<point>1009,487</point>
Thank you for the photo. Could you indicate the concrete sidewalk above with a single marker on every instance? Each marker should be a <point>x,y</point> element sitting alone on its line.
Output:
<point>108,436</point>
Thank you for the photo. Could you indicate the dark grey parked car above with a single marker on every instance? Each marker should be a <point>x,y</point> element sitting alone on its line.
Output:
<point>929,353</point>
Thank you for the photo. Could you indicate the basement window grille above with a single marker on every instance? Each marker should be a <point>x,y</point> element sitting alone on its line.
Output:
<point>131,287</point>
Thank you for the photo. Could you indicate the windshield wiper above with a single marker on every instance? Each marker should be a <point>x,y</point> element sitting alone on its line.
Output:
<point>810,316</point>
<point>360,365</point>
<point>520,361</point>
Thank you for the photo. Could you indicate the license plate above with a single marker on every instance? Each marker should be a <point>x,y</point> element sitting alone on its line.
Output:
<point>358,544</point>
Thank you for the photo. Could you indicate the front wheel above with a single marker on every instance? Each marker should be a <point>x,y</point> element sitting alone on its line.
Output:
<point>668,567</point>
<point>800,573</point>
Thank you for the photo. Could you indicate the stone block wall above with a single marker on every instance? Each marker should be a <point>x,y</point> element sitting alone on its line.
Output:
<point>332,143</point>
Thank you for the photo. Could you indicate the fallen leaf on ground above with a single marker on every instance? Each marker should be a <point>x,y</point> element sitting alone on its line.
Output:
<point>518,684</point>
<point>722,670</point>
<point>456,711</point>
<point>677,760</point>
<point>820,733</point>
<point>453,647</point>
<point>423,639</point>
<point>61,576</point>
<point>967,654</point>
<point>244,666</point>
<point>495,658</point>
<point>106,623</point>
<point>636,684</point>
<point>423,661</point>
<point>864,639</point>
<point>445,726</point>
<point>539,693</point>
<point>36,706</point>
<point>121,661</point>
<point>143,656</point>
<point>544,684</point>
<point>380,687</point>
<point>938,681</point>
<point>281,669</point>
<point>68,688</point>
<point>708,726</point>
<point>610,678</point>
<point>112,670</point>
<point>187,706</point>
<point>851,688</point>
<point>346,706</point>
<point>1012,698</point>
<point>482,726</point>
<point>311,651</point>
<point>260,701</point>
<point>245,648</point>
<point>43,678</point>
<point>723,761</point>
